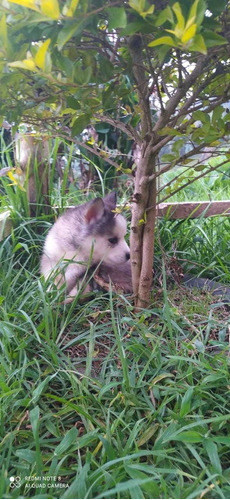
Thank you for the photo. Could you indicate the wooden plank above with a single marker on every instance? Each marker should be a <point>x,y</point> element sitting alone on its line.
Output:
<point>5,224</point>
<point>193,209</point>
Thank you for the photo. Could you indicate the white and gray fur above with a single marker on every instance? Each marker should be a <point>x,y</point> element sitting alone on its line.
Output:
<point>88,233</point>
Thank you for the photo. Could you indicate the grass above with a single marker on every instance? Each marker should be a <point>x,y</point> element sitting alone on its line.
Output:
<point>201,246</point>
<point>213,186</point>
<point>97,402</point>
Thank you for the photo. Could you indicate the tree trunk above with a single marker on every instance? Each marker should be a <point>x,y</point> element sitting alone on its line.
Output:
<point>144,205</point>
<point>142,227</point>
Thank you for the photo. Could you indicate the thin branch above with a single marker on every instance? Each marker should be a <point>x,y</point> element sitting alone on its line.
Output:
<point>185,108</point>
<point>192,167</point>
<point>208,109</point>
<point>182,128</point>
<point>189,167</point>
<point>105,44</point>
<point>180,160</point>
<point>100,9</point>
<point>179,64</point>
<point>155,79</point>
<point>136,53</point>
<point>180,93</point>
<point>101,154</point>
<point>127,129</point>
<point>164,85</point>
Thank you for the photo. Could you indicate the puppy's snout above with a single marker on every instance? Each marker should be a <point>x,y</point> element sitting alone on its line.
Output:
<point>127,255</point>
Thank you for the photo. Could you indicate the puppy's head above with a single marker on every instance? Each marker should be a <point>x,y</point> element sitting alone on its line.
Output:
<point>106,231</point>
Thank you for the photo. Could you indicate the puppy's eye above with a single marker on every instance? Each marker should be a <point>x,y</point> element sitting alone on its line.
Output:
<point>113,241</point>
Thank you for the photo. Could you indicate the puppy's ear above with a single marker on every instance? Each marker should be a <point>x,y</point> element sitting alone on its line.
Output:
<point>95,211</point>
<point>110,200</point>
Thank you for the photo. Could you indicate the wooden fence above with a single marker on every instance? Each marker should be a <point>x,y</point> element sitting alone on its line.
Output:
<point>193,209</point>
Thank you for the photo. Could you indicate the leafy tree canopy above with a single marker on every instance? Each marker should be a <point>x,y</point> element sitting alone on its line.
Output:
<point>72,62</point>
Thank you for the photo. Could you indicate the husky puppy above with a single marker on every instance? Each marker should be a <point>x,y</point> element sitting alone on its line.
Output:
<point>84,235</point>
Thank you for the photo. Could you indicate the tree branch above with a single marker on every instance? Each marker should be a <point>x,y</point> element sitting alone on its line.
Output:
<point>136,53</point>
<point>180,93</point>
<point>102,156</point>
<point>127,129</point>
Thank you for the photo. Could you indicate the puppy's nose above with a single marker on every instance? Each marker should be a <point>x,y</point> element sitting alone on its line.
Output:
<point>127,255</point>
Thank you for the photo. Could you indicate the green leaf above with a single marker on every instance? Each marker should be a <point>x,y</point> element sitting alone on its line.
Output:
<point>39,389</point>
<point>106,68</point>
<point>67,441</point>
<point>200,115</point>
<point>82,76</point>
<point>217,113</point>
<point>189,23</point>
<point>73,103</point>
<point>212,39</point>
<point>34,419</point>
<point>135,27</point>
<point>197,11</point>
<point>222,439</point>
<point>199,346</point>
<point>212,452</point>
<point>193,10</point>
<point>147,12</point>
<point>163,53</point>
<point>30,4</point>
<point>68,10</point>
<point>26,454</point>
<point>180,18</point>
<point>189,33</point>
<point>78,487</point>
<point>186,402</point>
<point>64,64</point>
<point>70,30</point>
<point>19,245</point>
<point>28,64</point>
<point>199,168</point>
<point>80,123</point>
<point>164,16</point>
<point>40,58</point>
<point>124,486</point>
<point>166,40</point>
<point>168,157</point>
<point>177,145</point>
<point>198,45</point>
<point>169,131</point>
<point>102,128</point>
<point>138,5</point>
<point>189,437</point>
<point>117,17</point>
<point>3,31</point>
<point>147,434</point>
<point>201,12</point>
<point>50,8</point>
